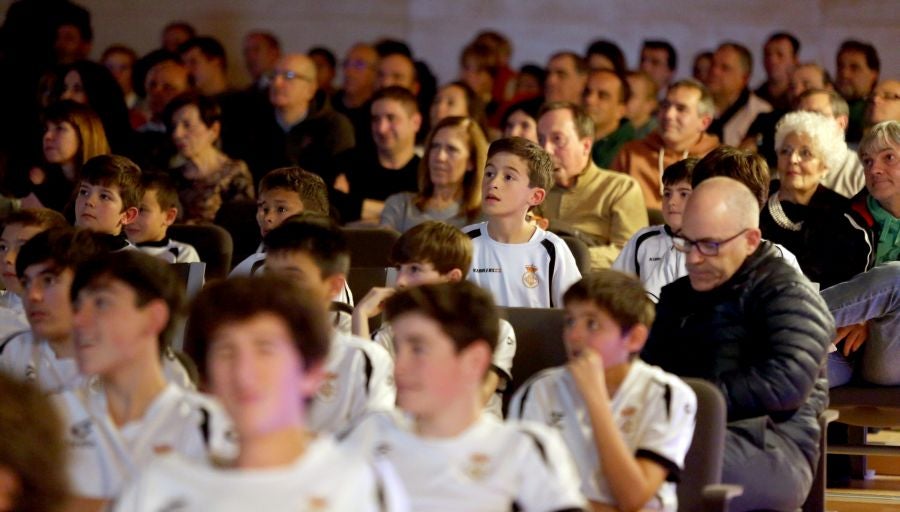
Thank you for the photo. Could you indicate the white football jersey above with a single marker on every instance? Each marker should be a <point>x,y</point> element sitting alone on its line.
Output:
<point>12,315</point>
<point>326,478</point>
<point>170,251</point>
<point>654,411</point>
<point>650,254</point>
<point>102,456</point>
<point>359,378</point>
<point>492,466</point>
<point>531,275</point>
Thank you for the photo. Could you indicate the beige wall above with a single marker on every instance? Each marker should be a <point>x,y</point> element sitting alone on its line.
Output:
<point>437,29</point>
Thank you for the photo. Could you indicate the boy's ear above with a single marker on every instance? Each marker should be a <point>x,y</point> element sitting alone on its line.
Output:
<point>336,283</point>
<point>171,215</point>
<point>159,314</point>
<point>637,336</point>
<point>537,196</point>
<point>129,215</point>
<point>312,379</point>
<point>454,276</point>
<point>477,359</point>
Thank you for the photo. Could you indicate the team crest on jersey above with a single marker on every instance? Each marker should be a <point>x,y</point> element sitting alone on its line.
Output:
<point>556,418</point>
<point>316,504</point>
<point>328,388</point>
<point>477,466</point>
<point>530,277</point>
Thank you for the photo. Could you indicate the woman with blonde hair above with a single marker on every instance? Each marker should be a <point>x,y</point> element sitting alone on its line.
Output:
<point>449,178</point>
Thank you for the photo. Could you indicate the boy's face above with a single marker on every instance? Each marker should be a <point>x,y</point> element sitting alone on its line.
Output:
<point>46,299</point>
<point>152,221</point>
<point>505,189</point>
<point>110,329</point>
<point>590,327</point>
<point>675,196</point>
<point>12,239</point>
<point>99,208</point>
<point>258,374</point>
<point>301,268</point>
<point>428,371</point>
<point>416,274</point>
<point>274,206</point>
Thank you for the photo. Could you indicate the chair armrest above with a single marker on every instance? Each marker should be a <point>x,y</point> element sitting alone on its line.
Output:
<point>717,497</point>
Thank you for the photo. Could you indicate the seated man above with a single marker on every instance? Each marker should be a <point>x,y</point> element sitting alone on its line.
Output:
<point>600,207</point>
<point>736,106</point>
<point>751,324</point>
<point>449,454</point>
<point>264,342</point>
<point>627,424</point>
<point>127,410</point>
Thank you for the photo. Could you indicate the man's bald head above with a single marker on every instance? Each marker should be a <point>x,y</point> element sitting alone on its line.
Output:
<point>720,229</point>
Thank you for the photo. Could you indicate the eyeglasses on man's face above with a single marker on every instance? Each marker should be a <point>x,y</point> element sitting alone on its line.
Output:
<point>704,246</point>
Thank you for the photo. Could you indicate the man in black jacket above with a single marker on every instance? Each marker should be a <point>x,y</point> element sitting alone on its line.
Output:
<point>745,320</point>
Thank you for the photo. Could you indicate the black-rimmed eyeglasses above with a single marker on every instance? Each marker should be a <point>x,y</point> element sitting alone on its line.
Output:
<point>705,247</point>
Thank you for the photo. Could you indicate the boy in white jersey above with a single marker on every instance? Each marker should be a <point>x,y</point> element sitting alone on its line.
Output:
<point>520,263</point>
<point>313,253</point>
<point>262,341</point>
<point>108,197</point>
<point>158,210</point>
<point>283,192</point>
<point>628,424</point>
<point>451,455</point>
<point>650,254</point>
<point>436,252</point>
<point>127,411</point>
<point>18,228</point>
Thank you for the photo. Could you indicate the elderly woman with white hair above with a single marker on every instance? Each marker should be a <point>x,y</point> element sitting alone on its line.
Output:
<point>807,218</point>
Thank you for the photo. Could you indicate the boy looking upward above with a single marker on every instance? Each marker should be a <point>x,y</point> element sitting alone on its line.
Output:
<point>108,196</point>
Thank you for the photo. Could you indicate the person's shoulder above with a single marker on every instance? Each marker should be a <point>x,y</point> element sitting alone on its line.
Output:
<point>247,267</point>
<point>540,387</point>
<point>401,199</point>
<point>15,342</point>
<point>475,231</point>
<point>672,383</point>
<point>363,346</point>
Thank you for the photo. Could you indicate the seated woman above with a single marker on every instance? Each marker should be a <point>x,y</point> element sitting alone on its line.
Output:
<point>808,219</point>
<point>209,177</point>
<point>449,179</point>
<point>73,134</point>
<point>458,99</point>
<point>92,84</point>
<point>520,119</point>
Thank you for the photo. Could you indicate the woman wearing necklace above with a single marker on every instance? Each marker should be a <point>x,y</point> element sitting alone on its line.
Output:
<point>808,219</point>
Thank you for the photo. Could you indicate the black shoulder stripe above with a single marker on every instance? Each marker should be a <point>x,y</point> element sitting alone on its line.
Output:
<point>369,369</point>
<point>10,338</point>
<point>501,373</point>
<point>540,446</point>
<point>256,265</point>
<point>379,490</point>
<point>551,251</point>
<point>674,472</point>
<point>667,396</point>
<point>204,425</point>
<point>528,385</point>
<point>637,245</point>
<point>475,233</point>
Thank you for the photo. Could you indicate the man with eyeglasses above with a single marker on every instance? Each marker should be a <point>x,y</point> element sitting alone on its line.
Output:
<point>298,131</point>
<point>883,103</point>
<point>751,324</point>
<point>352,99</point>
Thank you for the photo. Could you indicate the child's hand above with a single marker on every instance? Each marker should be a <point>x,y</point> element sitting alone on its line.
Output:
<point>586,368</point>
<point>341,184</point>
<point>373,303</point>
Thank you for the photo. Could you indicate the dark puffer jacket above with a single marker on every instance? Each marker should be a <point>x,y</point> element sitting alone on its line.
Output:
<point>762,337</point>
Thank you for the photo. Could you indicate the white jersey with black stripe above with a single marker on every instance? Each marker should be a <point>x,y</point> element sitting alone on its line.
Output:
<point>534,274</point>
<point>170,251</point>
<point>490,466</point>
<point>327,477</point>
<point>359,378</point>
<point>654,411</point>
<point>103,456</point>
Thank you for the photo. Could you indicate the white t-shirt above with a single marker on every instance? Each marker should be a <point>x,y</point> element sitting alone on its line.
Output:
<point>12,315</point>
<point>359,378</point>
<point>654,411</point>
<point>492,466</point>
<point>170,251</point>
<point>532,275</point>
<point>501,363</point>
<point>103,456</point>
<point>327,477</point>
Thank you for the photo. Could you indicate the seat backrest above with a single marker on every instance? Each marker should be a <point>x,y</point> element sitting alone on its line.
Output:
<point>370,247</point>
<point>539,343</point>
<point>239,219</point>
<point>212,242</point>
<point>580,251</point>
<point>703,462</point>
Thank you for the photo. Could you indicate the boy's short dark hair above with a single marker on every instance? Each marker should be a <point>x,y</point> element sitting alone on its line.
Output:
<point>465,311</point>
<point>310,187</point>
<point>620,295</point>
<point>63,248</point>
<point>32,446</point>
<point>399,94</point>
<point>540,166</point>
<point>682,170</point>
<point>164,186</point>
<point>748,168</point>
<point>435,242</point>
<point>239,299</point>
<point>44,218</point>
<point>317,236</point>
<point>150,278</point>
<point>115,171</point>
